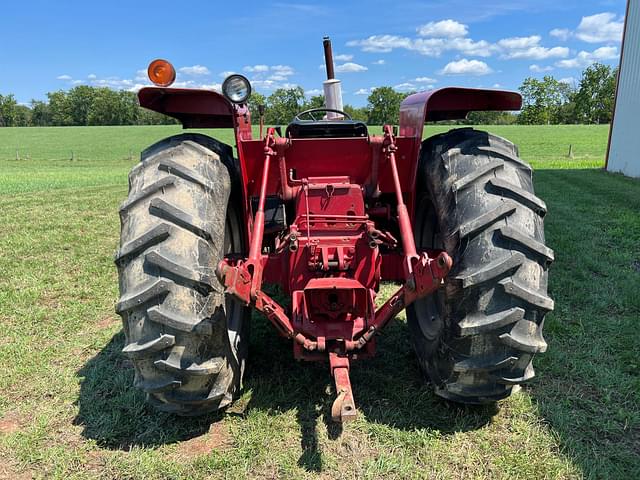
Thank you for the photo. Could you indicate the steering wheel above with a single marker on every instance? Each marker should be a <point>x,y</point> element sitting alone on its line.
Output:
<point>310,113</point>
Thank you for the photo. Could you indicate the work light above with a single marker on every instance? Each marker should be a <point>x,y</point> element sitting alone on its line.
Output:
<point>236,88</point>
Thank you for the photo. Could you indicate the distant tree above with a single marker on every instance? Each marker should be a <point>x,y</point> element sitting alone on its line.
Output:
<point>254,100</point>
<point>8,106</point>
<point>596,94</point>
<point>111,107</point>
<point>491,118</point>
<point>383,105</point>
<point>59,108</point>
<point>283,105</point>
<point>361,113</point>
<point>128,108</point>
<point>22,116</point>
<point>40,113</point>
<point>149,117</point>
<point>543,100</point>
<point>316,101</point>
<point>79,101</point>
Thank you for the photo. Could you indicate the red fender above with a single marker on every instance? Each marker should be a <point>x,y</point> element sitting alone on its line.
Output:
<point>450,103</point>
<point>194,108</point>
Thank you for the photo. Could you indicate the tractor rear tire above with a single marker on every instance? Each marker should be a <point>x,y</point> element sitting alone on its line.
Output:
<point>476,338</point>
<point>186,340</point>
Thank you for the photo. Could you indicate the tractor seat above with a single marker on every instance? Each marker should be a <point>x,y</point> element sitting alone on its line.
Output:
<point>326,129</point>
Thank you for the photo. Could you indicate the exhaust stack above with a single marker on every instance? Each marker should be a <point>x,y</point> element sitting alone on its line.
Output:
<point>331,86</point>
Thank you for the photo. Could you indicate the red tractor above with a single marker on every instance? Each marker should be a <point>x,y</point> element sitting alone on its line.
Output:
<point>327,211</point>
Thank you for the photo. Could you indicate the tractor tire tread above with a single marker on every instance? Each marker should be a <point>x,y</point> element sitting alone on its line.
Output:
<point>173,228</point>
<point>495,298</point>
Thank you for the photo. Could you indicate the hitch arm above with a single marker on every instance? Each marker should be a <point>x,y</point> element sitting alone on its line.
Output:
<point>424,274</point>
<point>244,280</point>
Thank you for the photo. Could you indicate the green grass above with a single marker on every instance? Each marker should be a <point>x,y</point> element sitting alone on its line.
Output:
<point>67,409</point>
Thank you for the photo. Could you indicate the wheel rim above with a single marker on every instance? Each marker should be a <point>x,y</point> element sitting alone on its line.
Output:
<point>233,309</point>
<point>428,310</point>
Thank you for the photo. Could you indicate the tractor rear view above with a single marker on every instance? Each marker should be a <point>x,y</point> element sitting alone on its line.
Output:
<point>327,210</point>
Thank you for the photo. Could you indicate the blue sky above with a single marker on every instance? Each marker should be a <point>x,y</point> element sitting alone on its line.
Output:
<point>411,45</point>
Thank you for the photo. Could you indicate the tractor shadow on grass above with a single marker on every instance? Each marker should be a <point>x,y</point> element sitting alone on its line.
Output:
<point>115,414</point>
<point>388,389</point>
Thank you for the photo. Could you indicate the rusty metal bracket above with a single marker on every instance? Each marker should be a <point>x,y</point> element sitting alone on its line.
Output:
<point>343,408</point>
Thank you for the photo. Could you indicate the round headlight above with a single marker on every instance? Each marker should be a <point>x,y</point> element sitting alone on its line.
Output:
<point>236,88</point>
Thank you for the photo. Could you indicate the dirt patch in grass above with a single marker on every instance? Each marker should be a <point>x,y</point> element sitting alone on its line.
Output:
<point>107,322</point>
<point>7,471</point>
<point>11,422</point>
<point>217,438</point>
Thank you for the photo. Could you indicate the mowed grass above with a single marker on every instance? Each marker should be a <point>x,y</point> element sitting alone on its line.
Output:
<point>67,408</point>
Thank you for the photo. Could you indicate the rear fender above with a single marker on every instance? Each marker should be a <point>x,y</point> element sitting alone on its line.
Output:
<point>451,103</point>
<point>196,108</point>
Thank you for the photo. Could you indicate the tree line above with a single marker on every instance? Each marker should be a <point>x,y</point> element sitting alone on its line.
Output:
<point>80,106</point>
<point>545,101</point>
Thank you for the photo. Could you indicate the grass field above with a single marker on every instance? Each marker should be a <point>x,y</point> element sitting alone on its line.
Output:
<point>67,409</point>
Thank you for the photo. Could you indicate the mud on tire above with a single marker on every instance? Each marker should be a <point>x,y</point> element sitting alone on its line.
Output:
<point>476,338</point>
<point>186,340</point>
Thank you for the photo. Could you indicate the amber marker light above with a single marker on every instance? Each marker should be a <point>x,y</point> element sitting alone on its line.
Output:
<point>161,73</point>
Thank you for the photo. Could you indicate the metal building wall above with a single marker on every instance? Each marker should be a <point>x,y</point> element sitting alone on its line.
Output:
<point>624,143</point>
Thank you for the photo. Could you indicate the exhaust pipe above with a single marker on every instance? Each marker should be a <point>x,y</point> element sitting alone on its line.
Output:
<point>331,86</point>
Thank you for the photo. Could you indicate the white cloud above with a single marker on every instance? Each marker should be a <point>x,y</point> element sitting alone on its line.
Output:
<point>350,67</point>
<point>141,75</point>
<point>212,86</point>
<point>529,47</point>
<point>584,59</point>
<point>443,29</point>
<point>519,43</point>
<point>64,77</point>
<point>268,77</point>
<point>539,53</point>
<point>263,84</point>
<point>467,46</point>
<point>363,91</point>
<point>114,82</point>
<point>194,70</point>
<point>539,69</point>
<point>381,43</point>
<point>278,72</point>
<point>226,73</point>
<point>256,68</point>
<point>425,80</point>
<point>77,82</point>
<point>437,38</point>
<point>378,62</point>
<point>313,91</point>
<point>496,85</point>
<point>343,57</point>
<point>136,87</point>
<point>466,67</point>
<point>92,76</point>
<point>602,27</point>
<point>405,87</point>
<point>560,33</point>
<point>568,81</point>
<point>431,47</point>
<point>284,70</point>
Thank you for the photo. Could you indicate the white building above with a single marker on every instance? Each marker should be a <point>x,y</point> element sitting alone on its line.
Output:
<point>623,153</point>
